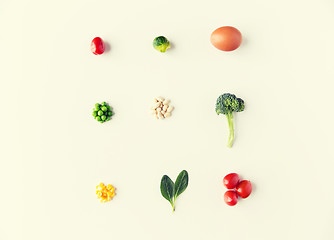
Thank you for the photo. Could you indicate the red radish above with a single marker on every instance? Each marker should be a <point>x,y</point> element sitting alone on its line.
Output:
<point>230,198</point>
<point>97,46</point>
<point>231,180</point>
<point>244,188</point>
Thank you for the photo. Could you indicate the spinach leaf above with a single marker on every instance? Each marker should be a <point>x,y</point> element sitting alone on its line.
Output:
<point>181,183</point>
<point>171,191</point>
<point>167,189</point>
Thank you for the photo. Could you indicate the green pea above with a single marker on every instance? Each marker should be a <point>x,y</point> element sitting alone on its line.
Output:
<point>108,107</point>
<point>100,113</point>
<point>97,105</point>
<point>103,117</point>
<point>94,113</point>
<point>109,113</point>
<point>108,118</point>
<point>97,108</point>
<point>104,103</point>
<point>98,118</point>
<point>104,109</point>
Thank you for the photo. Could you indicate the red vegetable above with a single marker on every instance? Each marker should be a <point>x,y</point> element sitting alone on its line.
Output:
<point>226,38</point>
<point>244,188</point>
<point>97,46</point>
<point>231,180</point>
<point>230,198</point>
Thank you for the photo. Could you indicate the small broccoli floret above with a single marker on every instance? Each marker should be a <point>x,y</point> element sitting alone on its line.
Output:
<point>161,44</point>
<point>227,104</point>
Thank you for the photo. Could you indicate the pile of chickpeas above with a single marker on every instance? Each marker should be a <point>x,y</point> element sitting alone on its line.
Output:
<point>161,108</point>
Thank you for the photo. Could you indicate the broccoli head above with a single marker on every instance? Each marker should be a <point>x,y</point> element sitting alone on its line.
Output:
<point>161,44</point>
<point>227,104</point>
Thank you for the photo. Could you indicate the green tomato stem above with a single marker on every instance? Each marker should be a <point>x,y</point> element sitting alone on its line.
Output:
<point>229,117</point>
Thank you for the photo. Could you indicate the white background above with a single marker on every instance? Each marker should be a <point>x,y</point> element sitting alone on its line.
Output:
<point>53,153</point>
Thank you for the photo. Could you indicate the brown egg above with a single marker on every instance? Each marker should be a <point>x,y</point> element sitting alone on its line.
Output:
<point>226,38</point>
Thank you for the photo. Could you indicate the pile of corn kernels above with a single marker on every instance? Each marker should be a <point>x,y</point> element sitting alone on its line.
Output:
<point>105,193</point>
<point>161,108</point>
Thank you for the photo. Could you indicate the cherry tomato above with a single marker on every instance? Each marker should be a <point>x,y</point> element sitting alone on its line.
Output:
<point>244,188</point>
<point>226,38</point>
<point>231,180</point>
<point>97,46</point>
<point>230,198</point>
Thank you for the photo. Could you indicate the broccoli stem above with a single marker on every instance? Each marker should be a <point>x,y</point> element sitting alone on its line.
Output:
<point>229,117</point>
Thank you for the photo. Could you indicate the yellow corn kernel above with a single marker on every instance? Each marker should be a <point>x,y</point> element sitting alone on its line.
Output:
<point>105,193</point>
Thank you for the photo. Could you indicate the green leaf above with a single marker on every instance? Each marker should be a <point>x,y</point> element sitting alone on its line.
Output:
<point>181,183</point>
<point>167,188</point>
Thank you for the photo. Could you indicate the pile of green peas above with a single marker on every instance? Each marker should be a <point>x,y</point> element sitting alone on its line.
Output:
<point>102,112</point>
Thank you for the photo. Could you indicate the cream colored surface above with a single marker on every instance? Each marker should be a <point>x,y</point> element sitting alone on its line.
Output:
<point>53,153</point>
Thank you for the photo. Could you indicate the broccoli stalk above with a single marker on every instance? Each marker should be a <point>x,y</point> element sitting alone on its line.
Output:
<point>229,117</point>
<point>227,104</point>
